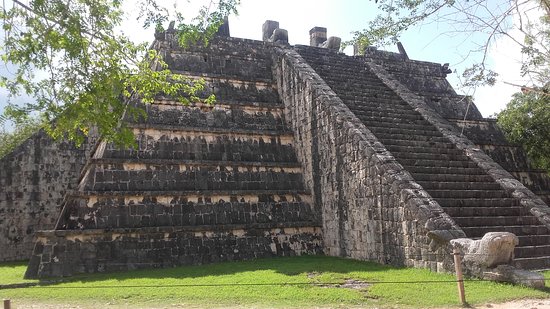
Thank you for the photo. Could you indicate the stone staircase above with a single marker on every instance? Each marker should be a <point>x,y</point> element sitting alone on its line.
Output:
<point>204,184</point>
<point>473,199</point>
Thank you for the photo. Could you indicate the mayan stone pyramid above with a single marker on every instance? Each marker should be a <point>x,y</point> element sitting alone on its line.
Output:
<point>306,151</point>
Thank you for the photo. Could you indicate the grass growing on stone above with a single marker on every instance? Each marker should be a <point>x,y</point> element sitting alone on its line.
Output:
<point>306,281</point>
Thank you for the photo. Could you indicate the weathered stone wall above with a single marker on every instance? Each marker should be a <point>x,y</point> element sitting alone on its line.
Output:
<point>181,208</point>
<point>230,57</point>
<point>371,207</point>
<point>66,253</point>
<point>33,182</point>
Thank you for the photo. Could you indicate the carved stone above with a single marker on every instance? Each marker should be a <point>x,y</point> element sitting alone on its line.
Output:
<point>279,36</point>
<point>267,29</point>
<point>317,35</point>
<point>495,248</point>
<point>332,43</point>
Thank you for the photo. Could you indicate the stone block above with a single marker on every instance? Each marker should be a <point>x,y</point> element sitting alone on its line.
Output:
<point>268,28</point>
<point>317,35</point>
<point>495,248</point>
<point>332,43</point>
<point>507,273</point>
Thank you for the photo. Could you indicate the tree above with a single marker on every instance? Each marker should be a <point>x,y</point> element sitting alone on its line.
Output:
<point>9,140</point>
<point>81,71</point>
<point>492,19</point>
<point>526,121</point>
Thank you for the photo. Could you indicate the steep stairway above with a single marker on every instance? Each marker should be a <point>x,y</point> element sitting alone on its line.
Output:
<point>472,198</point>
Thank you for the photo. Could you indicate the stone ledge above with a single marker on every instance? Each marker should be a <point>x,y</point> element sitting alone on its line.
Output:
<point>227,104</point>
<point>215,41</point>
<point>229,78</point>
<point>195,162</point>
<point>175,229</point>
<point>183,193</point>
<point>219,131</point>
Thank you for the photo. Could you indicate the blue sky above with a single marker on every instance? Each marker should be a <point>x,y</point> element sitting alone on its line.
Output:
<point>427,43</point>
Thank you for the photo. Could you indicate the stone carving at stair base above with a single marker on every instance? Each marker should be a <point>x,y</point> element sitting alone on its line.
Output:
<point>490,258</point>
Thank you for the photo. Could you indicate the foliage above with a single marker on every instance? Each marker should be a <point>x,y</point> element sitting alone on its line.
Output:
<point>306,281</point>
<point>527,118</point>
<point>9,140</point>
<point>536,47</point>
<point>83,72</point>
<point>488,20</point>
<point>526,121</point>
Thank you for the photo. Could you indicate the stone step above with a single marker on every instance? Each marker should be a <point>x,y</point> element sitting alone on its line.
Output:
<point>369,115</point>
<point>485,211</point>
<point>98,212</point>
<point>454,185</point>
<point>425,150</point>
<point>430,156</point>
<point>221,103</point>
<point>533,263</point>
<point>436,163</point>
<point>467,194</point>
<point>534,240</point>
<point>375,99</point>
<point>405,139</point>
<point>216,116</point>
<point>141,176</point>
<point>519,230</point>
<point>452,177</point>
<point>433,145</point>
<point>167,162</point>
<point>175,129</point>
<point>495,221</point>
<point>439,170</point>
<point>196,73</point>
<point>218,146</point>
<point>264,194</point>
<point>397,124</point>
<point>478,202</point>
<point>400,131</point>
<point>389,121</point>
<point>532,251</point>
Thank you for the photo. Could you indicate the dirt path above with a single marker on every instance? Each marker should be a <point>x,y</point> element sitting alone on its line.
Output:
<point>523,304</point>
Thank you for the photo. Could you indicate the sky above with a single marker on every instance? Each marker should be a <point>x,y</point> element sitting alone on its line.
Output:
<point>433,42</point>
<point>425,43</point>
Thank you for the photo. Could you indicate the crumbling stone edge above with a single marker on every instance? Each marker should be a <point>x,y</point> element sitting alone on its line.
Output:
<point>516,189</point>
<point>340,158</point>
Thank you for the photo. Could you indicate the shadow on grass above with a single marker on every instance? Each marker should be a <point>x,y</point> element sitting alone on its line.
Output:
<point>289,266</point>
<point>283,265</point>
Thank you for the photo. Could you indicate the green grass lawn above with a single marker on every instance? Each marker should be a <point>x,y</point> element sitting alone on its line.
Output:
<point>306,281</point>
